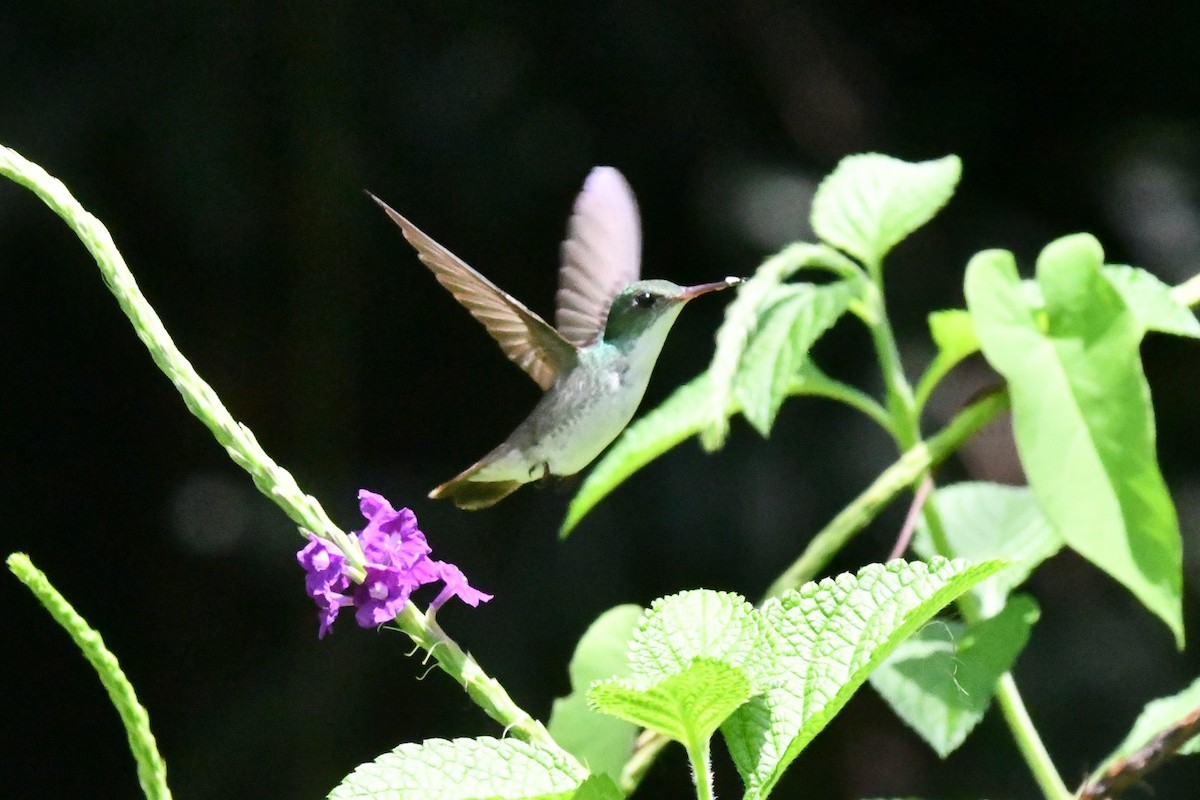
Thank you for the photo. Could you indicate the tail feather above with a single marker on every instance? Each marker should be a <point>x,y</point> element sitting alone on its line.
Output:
<point>473,495</point>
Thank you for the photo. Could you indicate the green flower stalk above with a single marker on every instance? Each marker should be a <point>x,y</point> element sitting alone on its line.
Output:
<point>151,769</point>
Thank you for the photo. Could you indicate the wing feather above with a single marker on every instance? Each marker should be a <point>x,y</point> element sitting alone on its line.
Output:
<point>600,257</point>
<point>524,337</point>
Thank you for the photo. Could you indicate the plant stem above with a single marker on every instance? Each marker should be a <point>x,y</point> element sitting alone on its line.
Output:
<point>1188,292</point>
<point>700,756</point>
<point>484,690</point>
<point>151,769</point>
<point>270,478</point>
<point>1028,740</point>
<point>900,401</point>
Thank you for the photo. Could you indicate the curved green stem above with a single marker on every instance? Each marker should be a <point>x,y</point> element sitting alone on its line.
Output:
<point>151,769</point>
<point>1028,740</point>
<point>271,479</point>
<point>900,401</point>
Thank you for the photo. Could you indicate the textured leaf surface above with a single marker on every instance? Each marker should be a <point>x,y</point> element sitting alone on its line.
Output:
<point>787,329</point>
<point>829,636</point>
<point>1082,416</point>
<point>700,623</point>
<point>601,743</point>
<point>695,657</point>
<point>686,707</point>
<point>464,769</point>
<point>987,520</point>
<point>941,680</point>
<point>870,202</point>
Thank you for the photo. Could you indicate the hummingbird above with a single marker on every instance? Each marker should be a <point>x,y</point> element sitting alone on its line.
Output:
<point>593,365</point>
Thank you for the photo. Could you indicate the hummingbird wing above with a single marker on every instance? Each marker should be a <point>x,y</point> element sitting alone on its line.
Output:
<point>601,255</point>
<point>527,339</point>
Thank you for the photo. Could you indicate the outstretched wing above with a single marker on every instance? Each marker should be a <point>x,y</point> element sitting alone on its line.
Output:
<point>523,336</point>
<point>601,255</point>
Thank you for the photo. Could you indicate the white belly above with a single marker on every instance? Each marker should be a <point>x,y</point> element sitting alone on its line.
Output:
<point>575,420</point>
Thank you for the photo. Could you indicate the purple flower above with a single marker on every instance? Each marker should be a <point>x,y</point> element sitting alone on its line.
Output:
<point>325,580</point>
<point>397,563</point>
<point>456,585</point>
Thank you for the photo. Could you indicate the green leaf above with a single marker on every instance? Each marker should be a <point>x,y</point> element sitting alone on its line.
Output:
<point>687,707</point>
<point>1157,716</point>
<point>680,416</point>
<point>788,327</point>
<point>941,680</point>
<point>700,623</point>
<point>954,334</point>
<point>1082,416</point>
<point>598,787</point>
<point>829,636</point>
<point>1151,301</point>
<point>694,658</point>
<point>742,318</point>
<point>870,202</point>
<point>987,520</point>
<point>465,769</point>
<point>601,743</point>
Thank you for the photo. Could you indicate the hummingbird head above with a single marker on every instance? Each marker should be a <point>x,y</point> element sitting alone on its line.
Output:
<point>651,306</point>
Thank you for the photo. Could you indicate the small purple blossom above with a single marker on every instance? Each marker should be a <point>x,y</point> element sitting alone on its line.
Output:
<point>397,564</point>
<point>456,586</point>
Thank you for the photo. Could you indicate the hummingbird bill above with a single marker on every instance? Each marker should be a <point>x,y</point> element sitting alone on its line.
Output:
<point>595,362</point>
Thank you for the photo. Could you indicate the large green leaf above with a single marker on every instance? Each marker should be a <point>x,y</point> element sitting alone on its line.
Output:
<point>465,769</point>
<point>870,202</point>
<point>941,680</point>
<point>828,637</point>
<point>601,743</point>
<point>1082,416</point>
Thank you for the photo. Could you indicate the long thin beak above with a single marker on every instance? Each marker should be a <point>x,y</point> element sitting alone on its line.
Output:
<point>704,288</point>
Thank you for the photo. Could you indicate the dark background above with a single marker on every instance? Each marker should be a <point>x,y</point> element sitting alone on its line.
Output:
<point>226,146</point>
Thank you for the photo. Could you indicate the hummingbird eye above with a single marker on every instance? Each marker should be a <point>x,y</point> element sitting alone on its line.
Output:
<point>643,299</point>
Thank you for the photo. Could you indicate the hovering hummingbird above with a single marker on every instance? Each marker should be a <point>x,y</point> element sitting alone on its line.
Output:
<point>593,365</point>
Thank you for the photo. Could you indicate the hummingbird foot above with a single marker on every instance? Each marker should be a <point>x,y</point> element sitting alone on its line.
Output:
<point>566,484</point>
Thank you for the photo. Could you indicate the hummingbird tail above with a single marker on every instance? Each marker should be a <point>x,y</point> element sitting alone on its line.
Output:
<point>473,495</point>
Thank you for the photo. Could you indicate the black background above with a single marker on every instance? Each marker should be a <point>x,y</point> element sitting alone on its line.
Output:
<point>226,146</point>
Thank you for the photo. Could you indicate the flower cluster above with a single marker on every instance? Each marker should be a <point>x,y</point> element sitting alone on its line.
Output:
<point>397,563</point>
